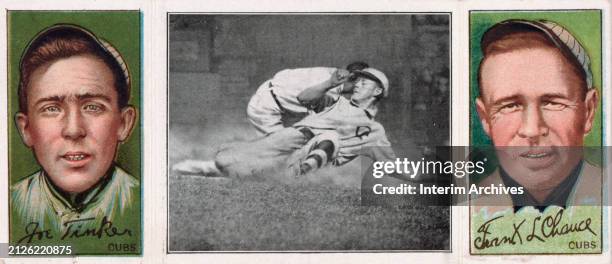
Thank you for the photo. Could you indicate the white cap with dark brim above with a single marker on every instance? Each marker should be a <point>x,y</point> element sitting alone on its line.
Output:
<point>377,76</point>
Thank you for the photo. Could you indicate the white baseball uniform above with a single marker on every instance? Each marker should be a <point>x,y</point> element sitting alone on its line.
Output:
<point>348,126</point>
<point>276,99</point>
<point>355,128</point>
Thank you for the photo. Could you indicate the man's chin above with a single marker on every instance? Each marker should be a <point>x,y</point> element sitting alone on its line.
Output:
<point>75,181</point>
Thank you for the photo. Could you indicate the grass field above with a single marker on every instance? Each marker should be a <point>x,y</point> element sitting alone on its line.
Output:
<point>319,212</point>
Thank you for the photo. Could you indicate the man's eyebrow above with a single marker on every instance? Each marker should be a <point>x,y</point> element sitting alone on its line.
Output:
<point>93,96</point>
<point>555,95</point>
<point>53,98</point>
<point>513,97</point>
<point>85,96</point>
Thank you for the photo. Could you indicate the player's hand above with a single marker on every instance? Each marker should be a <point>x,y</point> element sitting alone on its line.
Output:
<point>188,167</point>
<point>339,77</point>
<point>197,167</point>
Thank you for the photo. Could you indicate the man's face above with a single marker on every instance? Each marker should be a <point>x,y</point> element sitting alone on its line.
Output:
<point>533,103</point>
<point>74,123</point>
<point>365,89</point>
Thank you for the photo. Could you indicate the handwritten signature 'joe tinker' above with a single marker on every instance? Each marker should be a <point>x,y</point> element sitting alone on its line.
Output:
<point>74,229</point>
<point>541,229</point>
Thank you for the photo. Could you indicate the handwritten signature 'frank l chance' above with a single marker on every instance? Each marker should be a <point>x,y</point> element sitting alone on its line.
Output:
<point>74,229</point>
<point>549,227</point>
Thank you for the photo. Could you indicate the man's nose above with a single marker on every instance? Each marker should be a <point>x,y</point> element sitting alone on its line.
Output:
<point>533,124</point>
<point>74,125</point>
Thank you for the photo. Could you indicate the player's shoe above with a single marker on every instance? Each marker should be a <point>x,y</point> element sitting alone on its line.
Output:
<point>308,165</point>
<point>205,168</point>
<point>315,160</point>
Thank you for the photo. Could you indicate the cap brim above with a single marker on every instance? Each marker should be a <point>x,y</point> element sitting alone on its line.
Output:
<point>369,76</point>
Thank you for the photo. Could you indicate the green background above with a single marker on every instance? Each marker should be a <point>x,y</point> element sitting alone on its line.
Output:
<point>585,25</point>
<point>121,28</point>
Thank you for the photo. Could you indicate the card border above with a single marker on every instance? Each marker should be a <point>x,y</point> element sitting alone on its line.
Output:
<point>603,122</point>
<point>139,115</point>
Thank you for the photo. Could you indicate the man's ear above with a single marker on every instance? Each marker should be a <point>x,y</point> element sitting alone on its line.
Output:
<point>483,115</point>
<point>590,103</point>
<point>128,119</point>
<point>378,91</point>
<point>22,122</point>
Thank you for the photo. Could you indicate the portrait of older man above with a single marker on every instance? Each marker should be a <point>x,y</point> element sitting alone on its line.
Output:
<point>74,112</point>
<point>537,103</point>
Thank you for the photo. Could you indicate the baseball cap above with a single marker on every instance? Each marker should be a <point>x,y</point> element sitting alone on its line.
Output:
<point>567,43</point>
<point>59,30</point>
<point>377,76</point>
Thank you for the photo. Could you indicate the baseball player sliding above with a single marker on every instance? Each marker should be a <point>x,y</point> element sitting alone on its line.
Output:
<point>275,105</point>
<point>335,133</point>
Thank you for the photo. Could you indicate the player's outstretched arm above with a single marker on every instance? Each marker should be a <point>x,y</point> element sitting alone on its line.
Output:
<point>311,96</point>
<point>206,168</point>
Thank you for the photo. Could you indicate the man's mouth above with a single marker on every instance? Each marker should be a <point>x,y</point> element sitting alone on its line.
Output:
<point>536,155</point>
<point>78,156</point>
<point>75,157</point>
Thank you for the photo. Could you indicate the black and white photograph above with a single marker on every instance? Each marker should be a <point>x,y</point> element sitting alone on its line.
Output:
<point>272,118</point>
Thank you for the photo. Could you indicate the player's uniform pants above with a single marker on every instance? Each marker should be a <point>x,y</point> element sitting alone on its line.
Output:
<point>274,153</point>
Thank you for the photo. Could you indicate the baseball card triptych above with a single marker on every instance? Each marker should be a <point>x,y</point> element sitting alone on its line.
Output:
<point>305,132</point>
